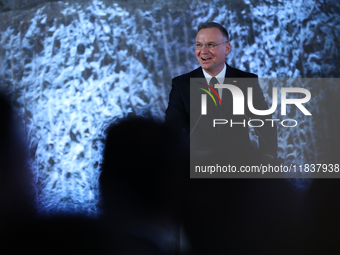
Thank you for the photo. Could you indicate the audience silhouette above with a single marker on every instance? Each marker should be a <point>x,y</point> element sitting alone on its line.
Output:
<point>17,196</point>
<point>141,185</point>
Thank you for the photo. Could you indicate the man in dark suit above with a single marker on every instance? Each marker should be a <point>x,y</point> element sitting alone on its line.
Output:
<point>216,211</point>
<point>211,47</point>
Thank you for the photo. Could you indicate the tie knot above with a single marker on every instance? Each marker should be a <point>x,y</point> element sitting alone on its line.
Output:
<point>213,81</point>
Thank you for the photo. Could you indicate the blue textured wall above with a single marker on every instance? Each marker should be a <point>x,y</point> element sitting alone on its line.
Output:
<point>72,68</point>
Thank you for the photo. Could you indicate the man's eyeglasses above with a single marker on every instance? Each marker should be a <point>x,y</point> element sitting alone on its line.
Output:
<point>209,45</point>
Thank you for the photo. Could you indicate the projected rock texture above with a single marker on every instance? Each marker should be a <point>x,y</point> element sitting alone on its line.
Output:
<point>72,68</point>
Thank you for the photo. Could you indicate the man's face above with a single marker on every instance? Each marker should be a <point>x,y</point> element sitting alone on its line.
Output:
<point>212,60</point>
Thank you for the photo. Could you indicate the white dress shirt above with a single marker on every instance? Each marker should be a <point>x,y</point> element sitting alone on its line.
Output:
<point>220,78</point>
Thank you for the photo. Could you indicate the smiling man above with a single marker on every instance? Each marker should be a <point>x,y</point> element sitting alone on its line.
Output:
<point>214,210</point>
<point>211,47</point>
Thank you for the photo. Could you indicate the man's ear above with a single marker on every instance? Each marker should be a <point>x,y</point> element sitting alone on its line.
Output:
<point>227,48</point>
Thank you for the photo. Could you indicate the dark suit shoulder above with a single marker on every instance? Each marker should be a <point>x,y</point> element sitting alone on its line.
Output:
<point>246,74</point>
<point>197,73</point>
<point>237,73</point>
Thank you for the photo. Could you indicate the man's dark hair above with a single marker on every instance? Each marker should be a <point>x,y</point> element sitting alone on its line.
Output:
<point>214,24</point>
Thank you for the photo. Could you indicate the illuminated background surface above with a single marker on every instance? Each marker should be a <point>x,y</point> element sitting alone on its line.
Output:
<point>71,68</point>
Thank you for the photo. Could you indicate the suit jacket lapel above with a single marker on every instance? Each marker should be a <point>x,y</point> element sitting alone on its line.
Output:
<point>227,97</point>
<point>230,73</point>
<point>199,73</point>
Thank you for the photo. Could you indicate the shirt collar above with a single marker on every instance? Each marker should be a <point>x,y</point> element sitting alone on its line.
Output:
<point>220,77</point>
